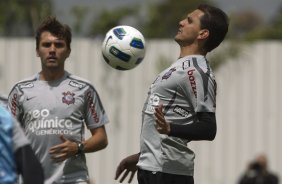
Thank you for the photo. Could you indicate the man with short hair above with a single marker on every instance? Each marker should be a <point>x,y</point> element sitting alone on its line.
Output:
<point>54,106</point>
<point>180,106</point>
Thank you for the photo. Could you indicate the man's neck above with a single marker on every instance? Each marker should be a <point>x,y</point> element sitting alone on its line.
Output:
<point>50,75</point>
<point>191,50</point>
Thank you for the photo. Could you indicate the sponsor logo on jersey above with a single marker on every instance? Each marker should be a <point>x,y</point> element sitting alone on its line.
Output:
<point>168,74</point>
<point>26,85</point>
<point>76,84</point>
<point>153,102</point>
<point>192,81</point>
<point>68,98</point>
<point>91,106</point>
<point>40,123</point>
<point>186,64</point>
<point>29,98</point>
<point>182,112</point>
<point>14,104</point>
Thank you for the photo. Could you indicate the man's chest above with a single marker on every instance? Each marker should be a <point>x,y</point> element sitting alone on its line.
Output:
<point>167,81</point>
<point>52,102</point>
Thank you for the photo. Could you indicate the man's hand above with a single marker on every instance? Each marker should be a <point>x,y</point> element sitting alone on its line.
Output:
<point>161,125</point>
<point>129,165</point>
<point>63,151</point>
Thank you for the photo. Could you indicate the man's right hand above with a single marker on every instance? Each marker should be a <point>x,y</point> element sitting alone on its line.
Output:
<point>129,165</point>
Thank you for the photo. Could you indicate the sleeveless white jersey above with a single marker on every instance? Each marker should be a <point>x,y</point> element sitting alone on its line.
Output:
<point>47,110</point>
<point>186,87</point>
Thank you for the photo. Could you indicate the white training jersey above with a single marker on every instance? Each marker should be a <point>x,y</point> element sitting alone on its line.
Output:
<point>48,109</point>
<point>186,87</point>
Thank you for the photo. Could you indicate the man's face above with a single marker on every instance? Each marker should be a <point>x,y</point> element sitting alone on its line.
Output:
<point>189,28</point>
<point>52,51</point>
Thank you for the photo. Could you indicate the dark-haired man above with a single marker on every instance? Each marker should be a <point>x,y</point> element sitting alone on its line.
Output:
<point>180,106</point>
<point>53,106</point>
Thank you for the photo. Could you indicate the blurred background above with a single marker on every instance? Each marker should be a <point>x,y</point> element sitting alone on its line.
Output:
<point>247,67</point>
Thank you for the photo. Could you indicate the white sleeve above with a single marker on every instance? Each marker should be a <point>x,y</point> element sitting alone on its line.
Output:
<point>201,88</point>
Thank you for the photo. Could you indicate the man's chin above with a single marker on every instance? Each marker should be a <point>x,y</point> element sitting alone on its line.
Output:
<point>177,40</point>
<point>52,65</point>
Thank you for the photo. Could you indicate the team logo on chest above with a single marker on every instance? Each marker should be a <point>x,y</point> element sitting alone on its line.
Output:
<point>68,98</point>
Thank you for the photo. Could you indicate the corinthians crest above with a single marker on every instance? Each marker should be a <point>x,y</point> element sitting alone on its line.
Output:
<point>68,98</point>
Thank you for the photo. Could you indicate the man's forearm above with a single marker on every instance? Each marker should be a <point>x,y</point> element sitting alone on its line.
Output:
<point>204,128</point>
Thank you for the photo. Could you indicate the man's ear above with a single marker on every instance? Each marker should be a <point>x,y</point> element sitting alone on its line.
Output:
<point>203,34</point>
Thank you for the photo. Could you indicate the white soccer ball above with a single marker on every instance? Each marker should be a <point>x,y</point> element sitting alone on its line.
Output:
<point>123,47</point>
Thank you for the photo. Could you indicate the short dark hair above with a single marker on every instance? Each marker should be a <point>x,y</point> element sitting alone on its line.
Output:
<point>56,28</point>
<point>217,22</point>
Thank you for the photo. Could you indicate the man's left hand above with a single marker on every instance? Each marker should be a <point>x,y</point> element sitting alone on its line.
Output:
<point>63,151</point>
